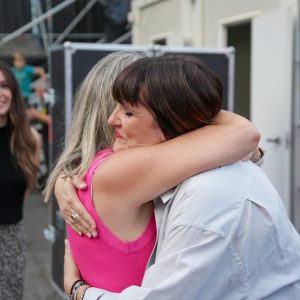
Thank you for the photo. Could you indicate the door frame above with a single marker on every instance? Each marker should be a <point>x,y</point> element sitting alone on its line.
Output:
<point>223,25</point>
<point>231,21</point>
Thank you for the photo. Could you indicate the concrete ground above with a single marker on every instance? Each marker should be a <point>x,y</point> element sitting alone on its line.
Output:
<point>37,281</point>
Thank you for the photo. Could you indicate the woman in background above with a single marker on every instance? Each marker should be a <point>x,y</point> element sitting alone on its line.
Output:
<point>19,157</point>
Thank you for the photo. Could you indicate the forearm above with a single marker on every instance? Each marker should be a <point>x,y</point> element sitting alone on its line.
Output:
<point>228,140</point>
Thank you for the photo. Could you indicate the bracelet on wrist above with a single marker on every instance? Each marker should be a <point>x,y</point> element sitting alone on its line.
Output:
<point>77,292</point>
<point>75,286</point>
<point>259,160</point>
<point>83,292</point>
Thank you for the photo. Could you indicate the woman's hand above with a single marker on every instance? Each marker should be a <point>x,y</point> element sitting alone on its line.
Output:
<point>72,210</point>
<point>71,272</point>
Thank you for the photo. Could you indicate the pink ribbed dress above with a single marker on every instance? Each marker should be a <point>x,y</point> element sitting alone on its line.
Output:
<point>106,261</point>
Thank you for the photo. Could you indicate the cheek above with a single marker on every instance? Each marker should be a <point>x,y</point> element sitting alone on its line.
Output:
<point>151,134</point>
<point>7,95</point>
<point>157,133</point>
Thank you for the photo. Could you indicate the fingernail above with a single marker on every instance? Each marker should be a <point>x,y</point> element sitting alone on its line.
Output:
<point>88,235</point>
<point>94,234</point>
<point>80,233</point>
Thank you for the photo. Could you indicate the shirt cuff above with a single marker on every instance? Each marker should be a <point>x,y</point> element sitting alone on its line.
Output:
<point>93,293</point>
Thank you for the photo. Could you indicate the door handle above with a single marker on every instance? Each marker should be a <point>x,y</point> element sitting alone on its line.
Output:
<point>276,140</point>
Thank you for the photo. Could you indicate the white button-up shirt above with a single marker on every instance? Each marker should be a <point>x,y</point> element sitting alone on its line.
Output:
<point>222,235</point>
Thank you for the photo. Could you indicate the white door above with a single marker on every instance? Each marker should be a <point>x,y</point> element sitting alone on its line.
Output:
<point>271,94</point>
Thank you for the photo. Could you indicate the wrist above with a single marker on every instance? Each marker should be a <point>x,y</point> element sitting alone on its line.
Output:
<point>259,159</point>
<point>82,291</point>
<point>75,288</point>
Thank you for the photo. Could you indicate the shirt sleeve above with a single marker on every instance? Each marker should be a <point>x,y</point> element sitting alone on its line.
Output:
<point>184,262</point>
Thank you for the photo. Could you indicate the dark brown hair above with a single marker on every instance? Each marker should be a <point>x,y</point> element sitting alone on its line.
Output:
<point>182,92</point>
<point>22,142</point>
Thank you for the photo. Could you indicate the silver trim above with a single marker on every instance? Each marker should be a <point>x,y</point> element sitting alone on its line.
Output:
<point>68,87</point>
<point>231,71</point>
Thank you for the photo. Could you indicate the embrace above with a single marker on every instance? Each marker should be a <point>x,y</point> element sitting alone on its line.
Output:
<point>161,196</point>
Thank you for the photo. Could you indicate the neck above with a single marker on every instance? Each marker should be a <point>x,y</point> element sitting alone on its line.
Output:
<point>3,121</point>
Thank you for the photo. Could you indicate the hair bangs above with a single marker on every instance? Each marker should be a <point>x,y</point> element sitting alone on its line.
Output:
<point>128,87</point>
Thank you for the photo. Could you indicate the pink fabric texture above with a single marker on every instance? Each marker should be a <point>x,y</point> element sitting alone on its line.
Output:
<point>106,261</point>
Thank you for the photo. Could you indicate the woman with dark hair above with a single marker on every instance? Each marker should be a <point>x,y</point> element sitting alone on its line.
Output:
<point>161,99</point>
<point>222,234</point>
<point>19,157</point>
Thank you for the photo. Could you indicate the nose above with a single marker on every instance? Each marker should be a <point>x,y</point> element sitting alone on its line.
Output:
<point>114,120</point>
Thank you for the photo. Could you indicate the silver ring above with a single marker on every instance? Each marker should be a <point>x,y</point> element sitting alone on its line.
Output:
<point>74,217</point>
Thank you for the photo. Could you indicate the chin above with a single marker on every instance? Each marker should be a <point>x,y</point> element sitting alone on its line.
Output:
<point>4,112</point>
<point>118,147</point>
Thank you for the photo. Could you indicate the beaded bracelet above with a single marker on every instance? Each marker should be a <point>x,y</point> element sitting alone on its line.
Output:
<point>75,287</point>
<point>77,292</point>
<point>83,293</point>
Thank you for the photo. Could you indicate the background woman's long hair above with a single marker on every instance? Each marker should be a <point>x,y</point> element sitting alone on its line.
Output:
<point>22,142</point>
<point>90,132</point>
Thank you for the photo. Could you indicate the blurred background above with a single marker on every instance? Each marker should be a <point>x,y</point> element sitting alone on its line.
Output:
<point>252,44</point>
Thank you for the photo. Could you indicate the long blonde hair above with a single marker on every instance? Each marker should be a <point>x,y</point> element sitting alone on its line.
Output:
<point>93,106</point>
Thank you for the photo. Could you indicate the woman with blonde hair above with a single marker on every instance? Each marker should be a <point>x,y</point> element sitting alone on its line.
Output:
<point>93,106</point>
<point>19,157</point>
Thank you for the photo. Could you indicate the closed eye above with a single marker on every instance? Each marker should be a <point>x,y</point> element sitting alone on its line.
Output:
<point>129,113</point>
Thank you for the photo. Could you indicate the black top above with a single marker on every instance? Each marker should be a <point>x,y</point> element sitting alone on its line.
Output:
<point>12,183</point>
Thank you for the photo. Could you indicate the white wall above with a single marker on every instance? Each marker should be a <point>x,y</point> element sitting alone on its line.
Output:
<point>192,22</point>
<point>155,19</point>
<point>216,11</point>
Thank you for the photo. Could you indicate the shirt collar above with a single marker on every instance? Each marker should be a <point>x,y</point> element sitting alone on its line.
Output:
<point>167,196</point>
